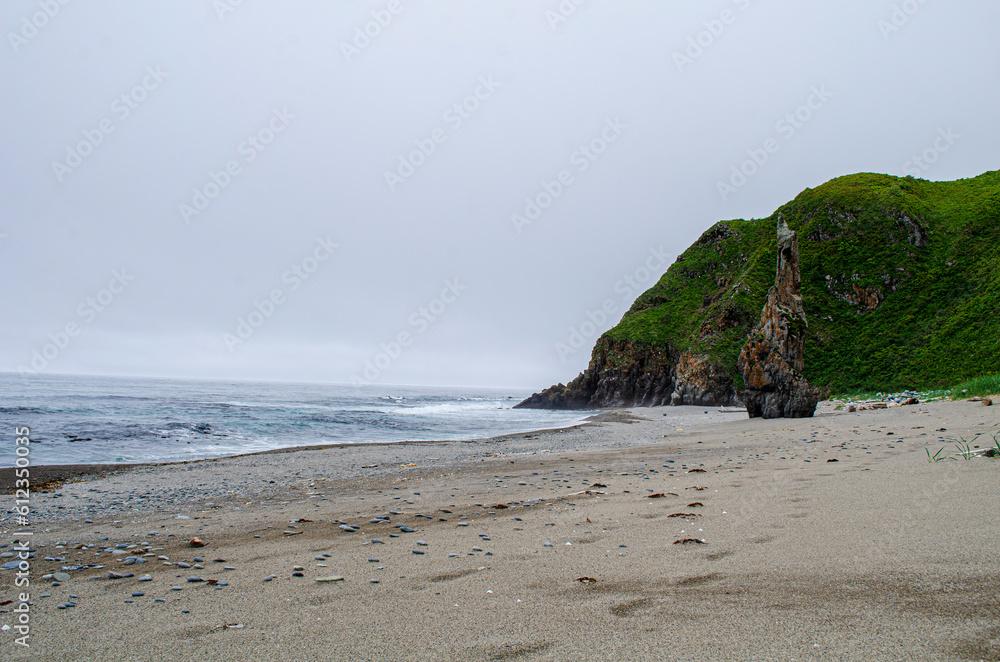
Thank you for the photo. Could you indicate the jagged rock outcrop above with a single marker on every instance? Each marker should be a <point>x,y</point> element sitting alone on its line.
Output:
<point>773,359</point>
<point>620,374</point>
<point>624,374</point>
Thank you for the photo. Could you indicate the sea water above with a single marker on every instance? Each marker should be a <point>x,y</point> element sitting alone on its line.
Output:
<point>81,420</point>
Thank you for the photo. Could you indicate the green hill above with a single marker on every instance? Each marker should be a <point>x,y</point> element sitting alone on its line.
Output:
<point>900,282</point>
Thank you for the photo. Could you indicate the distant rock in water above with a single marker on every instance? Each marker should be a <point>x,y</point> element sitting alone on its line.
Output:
<point>773,358</point>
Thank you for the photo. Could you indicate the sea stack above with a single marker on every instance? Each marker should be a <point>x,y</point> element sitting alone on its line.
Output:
<point>773,358</point>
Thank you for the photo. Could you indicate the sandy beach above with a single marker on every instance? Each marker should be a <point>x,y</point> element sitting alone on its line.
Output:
<point>830,538</point>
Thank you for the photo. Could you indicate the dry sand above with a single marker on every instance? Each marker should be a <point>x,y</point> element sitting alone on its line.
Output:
<point>880,555</point>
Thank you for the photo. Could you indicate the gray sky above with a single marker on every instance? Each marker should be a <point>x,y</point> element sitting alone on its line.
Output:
<point>168,164</point>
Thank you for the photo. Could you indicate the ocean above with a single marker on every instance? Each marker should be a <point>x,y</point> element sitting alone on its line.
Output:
<point>97,420</point>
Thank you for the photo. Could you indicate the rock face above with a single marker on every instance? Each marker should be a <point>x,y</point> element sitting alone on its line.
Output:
<point>620,374</point>
<point>773,358</point>
<point>623,374</point>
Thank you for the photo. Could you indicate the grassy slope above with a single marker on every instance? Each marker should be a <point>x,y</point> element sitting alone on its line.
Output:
<point>941,324</point>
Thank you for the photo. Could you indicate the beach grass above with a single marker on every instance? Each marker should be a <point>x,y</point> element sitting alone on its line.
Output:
<point>977,387</point>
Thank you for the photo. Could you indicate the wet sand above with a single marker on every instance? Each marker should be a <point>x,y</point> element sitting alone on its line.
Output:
<point>879,555</point>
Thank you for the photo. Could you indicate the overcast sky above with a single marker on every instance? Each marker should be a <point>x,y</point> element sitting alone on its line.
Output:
<point>283,190</point>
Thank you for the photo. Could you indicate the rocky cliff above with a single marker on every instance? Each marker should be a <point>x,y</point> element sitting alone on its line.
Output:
<point>900,280</point>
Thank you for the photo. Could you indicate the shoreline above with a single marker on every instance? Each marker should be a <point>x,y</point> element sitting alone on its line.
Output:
<point>54,475</point>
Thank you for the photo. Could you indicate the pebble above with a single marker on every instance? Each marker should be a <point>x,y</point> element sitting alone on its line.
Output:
<point>546,544</point>
<point>145,578</point>
<point>45,595</point>
<point>138,594</point>
<point>422,543</point>
<point>270,577</point>
<point>61,576</point>
<point>418,551</point>
<point>176,588</point>
<point>406,529</point>
<point>159,600</point>
<point>194,579</point>
<point>377,541</point>
<point>373,581</point>
<point>298,573</point>
<point>331,578</point>
<point>477,549</point>
<point>182,564</point>
<point>373,560</point>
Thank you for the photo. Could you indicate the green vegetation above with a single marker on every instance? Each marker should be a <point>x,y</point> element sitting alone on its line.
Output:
<point>966,450</point>
<point>977,387</point>
<point>900,282</point>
